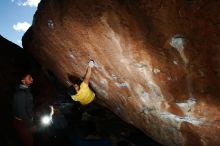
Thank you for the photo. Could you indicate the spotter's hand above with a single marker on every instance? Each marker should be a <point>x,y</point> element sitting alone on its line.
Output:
<point>51,110</point>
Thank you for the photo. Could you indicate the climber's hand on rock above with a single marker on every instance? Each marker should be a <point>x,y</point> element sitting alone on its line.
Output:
<point>91,63</point>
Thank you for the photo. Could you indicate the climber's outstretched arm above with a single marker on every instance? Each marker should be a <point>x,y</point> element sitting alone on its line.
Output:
<point>88,72</point>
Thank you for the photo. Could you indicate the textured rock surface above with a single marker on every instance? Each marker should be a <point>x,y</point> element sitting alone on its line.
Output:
<point>157,62</point>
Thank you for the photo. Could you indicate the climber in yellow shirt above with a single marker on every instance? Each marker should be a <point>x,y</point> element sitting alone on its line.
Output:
<point>84,94</point>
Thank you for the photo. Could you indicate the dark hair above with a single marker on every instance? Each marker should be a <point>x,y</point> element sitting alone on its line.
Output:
<point>71,90</point>
<point>22,75</point>
<point>74,79</point>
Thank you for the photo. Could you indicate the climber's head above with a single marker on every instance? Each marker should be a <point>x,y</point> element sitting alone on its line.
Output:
<point>76,87</point>
<point>74,84</point>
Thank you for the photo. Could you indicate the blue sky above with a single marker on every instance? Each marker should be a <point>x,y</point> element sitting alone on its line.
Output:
<point>16,17</point>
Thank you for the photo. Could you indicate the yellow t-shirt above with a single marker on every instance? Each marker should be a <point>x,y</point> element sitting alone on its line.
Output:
<point>85,95</point>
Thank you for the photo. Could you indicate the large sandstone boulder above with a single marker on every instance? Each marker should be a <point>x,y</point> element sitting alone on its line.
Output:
<point>157,62</point>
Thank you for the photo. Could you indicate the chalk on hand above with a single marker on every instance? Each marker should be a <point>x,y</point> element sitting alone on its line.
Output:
<point>91,63</point>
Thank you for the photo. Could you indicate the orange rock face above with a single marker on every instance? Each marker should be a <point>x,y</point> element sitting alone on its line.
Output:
<point>157,62</point>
